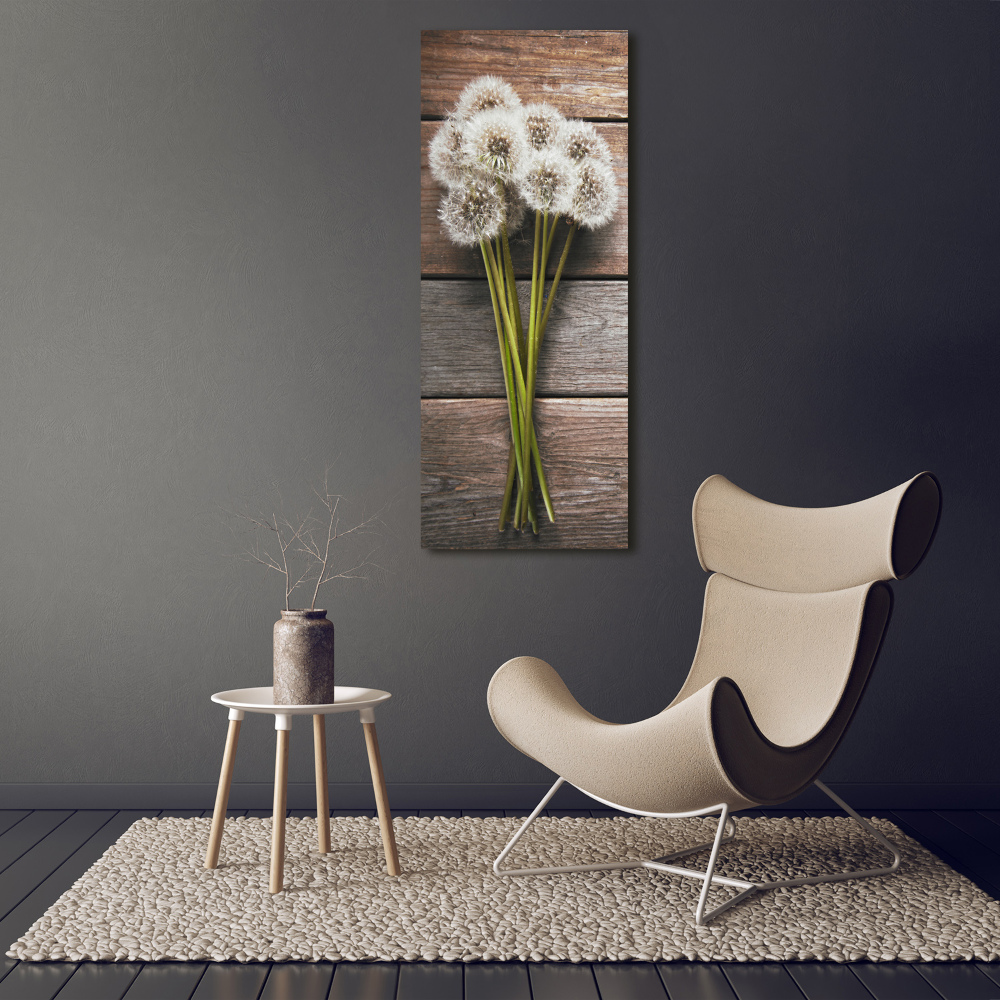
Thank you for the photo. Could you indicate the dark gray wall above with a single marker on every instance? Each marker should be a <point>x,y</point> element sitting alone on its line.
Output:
<point>209,264</point>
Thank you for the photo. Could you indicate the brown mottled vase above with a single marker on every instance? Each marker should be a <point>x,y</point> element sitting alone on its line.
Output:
<point>303,658</point>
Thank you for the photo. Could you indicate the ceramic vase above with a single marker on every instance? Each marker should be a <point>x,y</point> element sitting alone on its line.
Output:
<point>303,658</point>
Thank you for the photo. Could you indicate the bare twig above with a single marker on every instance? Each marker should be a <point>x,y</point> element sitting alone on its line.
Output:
<point>302,550</point>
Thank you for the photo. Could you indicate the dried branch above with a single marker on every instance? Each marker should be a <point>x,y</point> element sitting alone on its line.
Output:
<point>302,550</point>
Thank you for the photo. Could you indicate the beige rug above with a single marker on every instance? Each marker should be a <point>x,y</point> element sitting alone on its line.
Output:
<point>150,899</point>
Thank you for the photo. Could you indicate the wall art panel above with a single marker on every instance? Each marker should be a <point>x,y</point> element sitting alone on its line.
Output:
<point>524,291</point>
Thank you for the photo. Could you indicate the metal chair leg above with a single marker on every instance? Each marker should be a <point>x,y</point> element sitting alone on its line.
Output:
<point>725,832</point>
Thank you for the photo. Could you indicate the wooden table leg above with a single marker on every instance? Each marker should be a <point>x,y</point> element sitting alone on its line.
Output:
<point>322,788</point>
<point>381,799</point>
<point>222,795</point>
<point>280,804</point>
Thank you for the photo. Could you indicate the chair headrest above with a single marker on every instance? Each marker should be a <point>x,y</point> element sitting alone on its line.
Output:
<point>814,549</point>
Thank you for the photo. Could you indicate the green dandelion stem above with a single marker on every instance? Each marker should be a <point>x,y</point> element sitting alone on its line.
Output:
<point>515,439</point>
<point>508,378</point>
<point>514,305</point>
<point>502,286</point>
<point>522,492</point>
<point>543,484</point>
<point>537,288</point>
<point>555,281</point>
<point>491,267</point>
<point>551,236</point>
<point>512,456</point>
<point>504,290</point>
<point>512,409</point>
<point>534,276</point>
<point>524,499</point>
<point>546,247</point>
<point>529,397</point>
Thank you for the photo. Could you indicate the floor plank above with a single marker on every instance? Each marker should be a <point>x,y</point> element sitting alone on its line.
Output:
<point>22,876</point>
<point>8,817</point>
<point>958,980</point>
<point>430,981</point>
<point>993,815</point>
<point>100,981</point>
<point>368,813</point>
<point>991,970</point>
<point>894,981</point>
<point>936,849</point>
<point>482,813</point>
<point>32,829</point>
<point>35,980</point>
<point>231,981</point>
<point>497,981</point>
<point>827,981</point>
<point>695,981</point>
<point>55,870</point>
<point>970,856</point>
<point>166,981</point>
<point>628,981</point>
<point>968,820</point>
<point>298,981</point>
<point>557,981</point>
<point>453,813</point>
<point>761,981</point>
<point>363,981</point>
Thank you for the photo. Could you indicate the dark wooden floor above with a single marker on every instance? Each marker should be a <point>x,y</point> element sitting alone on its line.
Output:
<point>43,852</point>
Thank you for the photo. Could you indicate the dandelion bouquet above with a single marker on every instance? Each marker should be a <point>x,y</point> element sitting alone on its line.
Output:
<point>498,160</point>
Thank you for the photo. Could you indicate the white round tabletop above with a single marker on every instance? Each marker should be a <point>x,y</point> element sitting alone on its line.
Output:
<point>261,699</point>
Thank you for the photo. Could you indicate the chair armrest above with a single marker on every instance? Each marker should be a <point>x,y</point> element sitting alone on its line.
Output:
<point>664,764</point>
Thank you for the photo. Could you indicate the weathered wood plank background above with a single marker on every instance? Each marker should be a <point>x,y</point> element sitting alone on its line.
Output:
<point>463,449</point>
<point>585,352</point>
<point>584,74</point>
<point>603,253</point>
<point>581,414</point>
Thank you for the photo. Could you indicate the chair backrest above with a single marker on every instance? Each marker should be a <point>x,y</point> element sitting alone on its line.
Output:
<point>795,611</point>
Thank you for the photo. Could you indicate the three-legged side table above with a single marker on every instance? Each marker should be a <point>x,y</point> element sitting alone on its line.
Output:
<point>261,700</point>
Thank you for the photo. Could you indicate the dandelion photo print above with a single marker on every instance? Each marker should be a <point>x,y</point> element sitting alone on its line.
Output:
<point>524,290</point>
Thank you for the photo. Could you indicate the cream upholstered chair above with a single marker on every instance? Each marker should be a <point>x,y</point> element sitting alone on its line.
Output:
<point>794,615</point>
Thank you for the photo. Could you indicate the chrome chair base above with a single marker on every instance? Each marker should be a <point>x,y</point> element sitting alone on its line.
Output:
<point>725,832</point>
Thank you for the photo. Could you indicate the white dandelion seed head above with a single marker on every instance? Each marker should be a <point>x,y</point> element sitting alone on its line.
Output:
<point>580,141</point>
<point>547,181</point>
<point>446,156</point>
<point>472,212</point>
<point>494,142</point>
<point>595,196</point>
<point>542,124</point>
<point>484,94</point>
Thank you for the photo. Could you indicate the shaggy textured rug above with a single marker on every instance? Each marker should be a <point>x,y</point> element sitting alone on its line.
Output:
<point>149,898</point>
